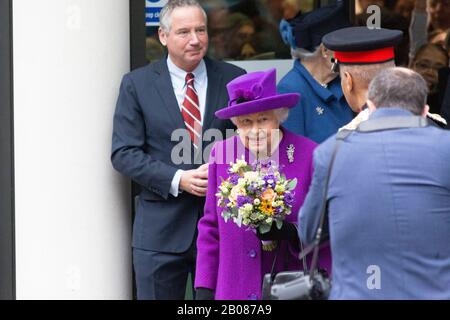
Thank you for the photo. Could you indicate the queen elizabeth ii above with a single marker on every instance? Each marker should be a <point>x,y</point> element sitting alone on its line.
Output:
<point>230,260</point>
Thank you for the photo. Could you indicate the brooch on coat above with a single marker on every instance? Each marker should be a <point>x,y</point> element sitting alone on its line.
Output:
<point>290,153</point>
<point>320,110</point>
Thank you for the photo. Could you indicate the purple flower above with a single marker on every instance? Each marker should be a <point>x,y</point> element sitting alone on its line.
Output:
<point>270,180</point>
<point>234,178</point>
<point>242,200</point>
<point>288,199</point>
<point>252,187</point>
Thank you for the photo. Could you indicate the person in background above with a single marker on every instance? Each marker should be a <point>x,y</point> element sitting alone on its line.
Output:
<point>438,14</point>
<point>179,92</point>
<point>386,188</point>
<point>323,108</point>
<point>418,27</point>
<point>266,39</point>
<point>240,40</point>
<point>447,42</point>
<point>430,59</point>
<point>404,8</point>
<point>429,21</point>
<point>437,37</point>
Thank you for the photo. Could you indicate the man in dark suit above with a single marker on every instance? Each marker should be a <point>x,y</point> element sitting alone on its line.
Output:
<point>180,92</point>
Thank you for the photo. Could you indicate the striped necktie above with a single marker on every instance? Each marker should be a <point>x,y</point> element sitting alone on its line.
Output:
<point>191,112</point>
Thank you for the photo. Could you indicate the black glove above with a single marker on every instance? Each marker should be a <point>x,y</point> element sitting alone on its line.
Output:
<point>204,294</point>
<point>288,231</point>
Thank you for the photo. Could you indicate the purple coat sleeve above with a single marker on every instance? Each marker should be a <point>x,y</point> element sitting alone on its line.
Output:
<point>208,235</point>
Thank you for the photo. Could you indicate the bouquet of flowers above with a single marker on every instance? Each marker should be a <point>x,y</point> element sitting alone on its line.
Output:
<point>256,196</point>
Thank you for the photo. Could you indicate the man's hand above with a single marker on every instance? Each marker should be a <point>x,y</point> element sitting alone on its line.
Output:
<point>195,181</point>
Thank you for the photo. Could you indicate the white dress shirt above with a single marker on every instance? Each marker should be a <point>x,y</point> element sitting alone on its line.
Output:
<point>178,78</point>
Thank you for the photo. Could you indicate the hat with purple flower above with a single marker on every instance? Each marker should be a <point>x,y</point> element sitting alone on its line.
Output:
<point>255,92</point>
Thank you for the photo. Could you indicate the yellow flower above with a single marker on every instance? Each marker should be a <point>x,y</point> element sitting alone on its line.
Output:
<point>266,207</point>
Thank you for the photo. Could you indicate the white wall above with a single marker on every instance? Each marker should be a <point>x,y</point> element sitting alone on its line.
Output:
<point>73,224</point>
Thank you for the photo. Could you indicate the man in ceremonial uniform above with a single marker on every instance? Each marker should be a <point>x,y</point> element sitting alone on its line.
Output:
<point>359,54</point>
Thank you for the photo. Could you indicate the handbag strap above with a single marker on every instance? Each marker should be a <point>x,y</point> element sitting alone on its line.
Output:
<point>341,135</point>
<point>272,270</point>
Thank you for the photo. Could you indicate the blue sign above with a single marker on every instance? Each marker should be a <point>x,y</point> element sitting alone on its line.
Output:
<point>152,10</point>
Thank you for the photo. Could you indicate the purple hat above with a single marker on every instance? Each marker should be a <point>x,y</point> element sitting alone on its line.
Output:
<point>255,92</point>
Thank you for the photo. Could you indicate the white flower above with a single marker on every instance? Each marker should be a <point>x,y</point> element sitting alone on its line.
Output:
<point>235,192</point>
<point>256,201</point>
<point>251,176</point>
<point>248,207</point>
<point>238,165</point>
<point>242,182</point>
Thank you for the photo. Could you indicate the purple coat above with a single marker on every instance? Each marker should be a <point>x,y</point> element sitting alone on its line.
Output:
<point>230,259</point>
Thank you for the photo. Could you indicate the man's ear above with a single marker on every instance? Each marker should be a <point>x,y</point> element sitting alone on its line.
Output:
<point>348,81</point>
<point>371,106</point>
<point>162,36</point>
<point>324,51</point>
<point>425,110</point>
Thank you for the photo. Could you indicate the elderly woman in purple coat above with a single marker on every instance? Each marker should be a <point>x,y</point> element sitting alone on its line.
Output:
<point>230,261</point>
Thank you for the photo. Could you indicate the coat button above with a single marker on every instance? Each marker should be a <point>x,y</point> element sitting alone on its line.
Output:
<point>252,253</point>
<point>252,296</point>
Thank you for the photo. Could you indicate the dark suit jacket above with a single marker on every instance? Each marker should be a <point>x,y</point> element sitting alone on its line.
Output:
<point>146,115</point>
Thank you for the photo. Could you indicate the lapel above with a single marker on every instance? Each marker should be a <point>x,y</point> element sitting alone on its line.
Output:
<point>215,80</point>
<point>165,90</point>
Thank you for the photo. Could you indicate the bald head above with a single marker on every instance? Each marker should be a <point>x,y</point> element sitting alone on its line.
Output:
<point>399,88</point>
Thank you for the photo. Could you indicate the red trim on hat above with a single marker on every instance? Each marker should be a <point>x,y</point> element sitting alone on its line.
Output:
<point>372,56</point>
